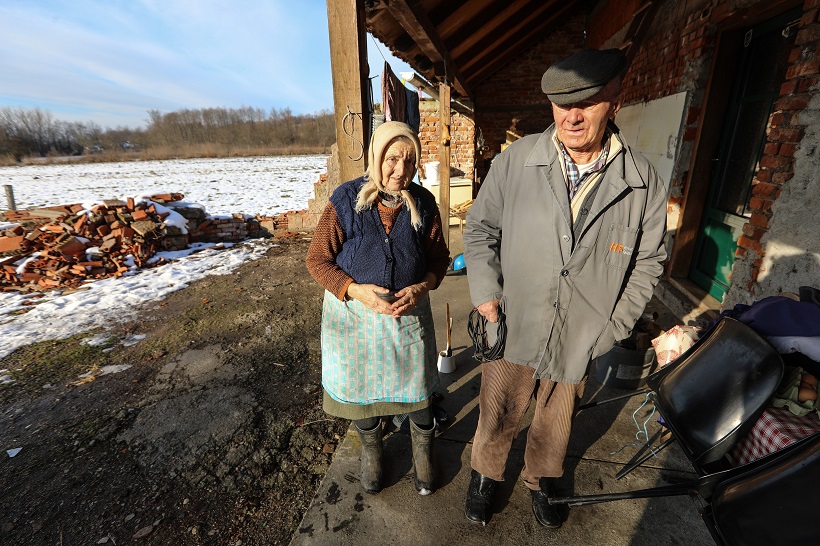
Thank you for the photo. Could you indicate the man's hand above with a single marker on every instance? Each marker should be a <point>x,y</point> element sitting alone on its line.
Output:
<point>489,310</point>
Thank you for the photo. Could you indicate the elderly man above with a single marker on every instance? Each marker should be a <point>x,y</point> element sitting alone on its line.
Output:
<point>566,239</point>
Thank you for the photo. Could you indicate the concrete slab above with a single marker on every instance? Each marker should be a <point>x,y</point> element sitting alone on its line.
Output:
<point>342,514</point>
<point>603,439</point>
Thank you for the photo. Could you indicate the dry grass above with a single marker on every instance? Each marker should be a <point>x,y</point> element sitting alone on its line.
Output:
<point>7,160</point>
<point>168,152</point>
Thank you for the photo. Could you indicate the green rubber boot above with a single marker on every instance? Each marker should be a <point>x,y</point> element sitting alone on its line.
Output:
<point>371,473</point>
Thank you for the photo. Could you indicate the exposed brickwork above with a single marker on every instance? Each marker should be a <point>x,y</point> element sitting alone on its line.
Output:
<point>462,139</point>
<point>671,60</point>
<point>307,220</point>
<point>514,92</point>
<point>784,133</point>
<point>675,57</point>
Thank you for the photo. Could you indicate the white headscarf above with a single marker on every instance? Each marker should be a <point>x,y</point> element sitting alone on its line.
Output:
<point>383,136</point>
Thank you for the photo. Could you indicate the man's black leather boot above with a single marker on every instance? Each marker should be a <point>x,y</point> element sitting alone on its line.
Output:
<point>545,513</point>
<point>480,497</point>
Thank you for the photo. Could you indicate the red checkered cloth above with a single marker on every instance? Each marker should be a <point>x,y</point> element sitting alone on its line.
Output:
<point>775,429</point>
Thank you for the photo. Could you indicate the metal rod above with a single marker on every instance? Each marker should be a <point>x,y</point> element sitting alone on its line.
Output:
<point>633,464</point>
<point>615,399</point>
<point>623,472</point>
<point>10,196</point>
<point>688,488</point>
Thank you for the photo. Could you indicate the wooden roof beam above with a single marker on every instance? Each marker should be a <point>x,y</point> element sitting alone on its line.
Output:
<point>418,25</point>
<point>512,34</point>
<point>461,16</point>
<point>515,43</point>
<point>500,21</point>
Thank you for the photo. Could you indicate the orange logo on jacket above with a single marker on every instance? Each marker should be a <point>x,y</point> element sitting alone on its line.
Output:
<point>621,249</point>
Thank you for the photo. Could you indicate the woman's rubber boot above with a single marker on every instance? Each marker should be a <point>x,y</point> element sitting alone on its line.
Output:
<point>371,473</point>
<point>480,498</point>
<point>422,440</point>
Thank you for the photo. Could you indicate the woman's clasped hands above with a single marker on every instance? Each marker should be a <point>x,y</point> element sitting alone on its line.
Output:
<point>383,301</point>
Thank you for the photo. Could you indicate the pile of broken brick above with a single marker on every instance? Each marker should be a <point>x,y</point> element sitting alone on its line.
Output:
<point>65,246</point>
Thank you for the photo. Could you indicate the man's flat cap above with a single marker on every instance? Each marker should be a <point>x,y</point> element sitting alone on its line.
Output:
<point>581,75</point>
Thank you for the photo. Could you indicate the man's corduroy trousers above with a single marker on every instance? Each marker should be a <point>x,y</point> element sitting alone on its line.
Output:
<point>506,392</point>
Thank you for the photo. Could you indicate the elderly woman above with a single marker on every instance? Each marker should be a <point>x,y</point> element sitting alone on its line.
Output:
<point>378,250</point>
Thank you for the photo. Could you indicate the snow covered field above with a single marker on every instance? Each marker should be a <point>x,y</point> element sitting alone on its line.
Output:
<point>257,185</point>
<point>250,185</point>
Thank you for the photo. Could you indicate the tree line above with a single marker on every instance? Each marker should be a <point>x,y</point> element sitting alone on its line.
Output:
<point>213,131</point>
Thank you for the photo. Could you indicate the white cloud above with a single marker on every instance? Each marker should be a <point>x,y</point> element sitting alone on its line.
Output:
<point>120,59</point>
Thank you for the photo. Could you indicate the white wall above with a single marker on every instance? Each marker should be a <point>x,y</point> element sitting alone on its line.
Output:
<point>654,128</point>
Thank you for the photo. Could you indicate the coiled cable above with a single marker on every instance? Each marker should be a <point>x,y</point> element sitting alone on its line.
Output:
<point>477,328</point>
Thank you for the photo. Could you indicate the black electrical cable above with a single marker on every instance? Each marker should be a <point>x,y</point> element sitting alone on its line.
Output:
<point>477,328</point>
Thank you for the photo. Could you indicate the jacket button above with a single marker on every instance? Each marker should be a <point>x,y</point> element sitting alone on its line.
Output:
<point>564,273</point>
<point>387,240</point>
<point>566,237</point>
<point>389,259</point>
<point>584,211</point>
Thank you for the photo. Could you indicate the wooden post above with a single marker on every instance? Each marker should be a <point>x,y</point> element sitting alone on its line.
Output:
<point>444,158</point>
<point>348,62</point>
<point>10,197</point>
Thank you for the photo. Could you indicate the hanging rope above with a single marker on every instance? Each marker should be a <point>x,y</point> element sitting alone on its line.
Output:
<point>477,328</point>
<point>375,43</point>
<point>350,133</point>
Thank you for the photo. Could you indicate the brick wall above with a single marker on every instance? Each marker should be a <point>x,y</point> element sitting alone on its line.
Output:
<point>306,220</point>
<point>674,58</point>
<point>462,139</point>
<point>789,153</point>
<point>515,91</point>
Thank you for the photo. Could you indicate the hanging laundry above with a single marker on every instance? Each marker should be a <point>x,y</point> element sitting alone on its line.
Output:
<point>413,115</point>
<point>394,96</point>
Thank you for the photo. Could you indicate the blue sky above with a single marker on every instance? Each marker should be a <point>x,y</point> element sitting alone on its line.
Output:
<point>111,61</point>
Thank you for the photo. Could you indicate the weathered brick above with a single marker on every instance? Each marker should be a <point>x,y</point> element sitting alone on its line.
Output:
<point>807,84</point>
<point>780,178</point>
<point>745,242</point>
<point>763,189</point>
<point>792,102</point>
<point>759,220</point>
<point>9,244</point>
<point>807,68</point>
<point>774,162</point>
<point>788,149</point>
<point>785,134</point>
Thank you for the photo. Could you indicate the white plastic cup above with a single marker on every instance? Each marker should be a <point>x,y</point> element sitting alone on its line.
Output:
<point>431,172</point>
<point>446,364</point>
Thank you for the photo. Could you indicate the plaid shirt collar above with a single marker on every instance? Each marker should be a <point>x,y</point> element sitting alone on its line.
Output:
<point>574,179</point>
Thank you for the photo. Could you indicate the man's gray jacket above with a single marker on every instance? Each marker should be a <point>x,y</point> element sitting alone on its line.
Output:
<point>567,297</point>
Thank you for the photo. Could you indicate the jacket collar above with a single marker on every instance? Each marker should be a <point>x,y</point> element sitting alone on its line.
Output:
<point>544,153</point>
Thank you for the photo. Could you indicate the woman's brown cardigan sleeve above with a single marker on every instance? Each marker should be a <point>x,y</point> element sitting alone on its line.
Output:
<point>329,237</point>
<point>321,257</point>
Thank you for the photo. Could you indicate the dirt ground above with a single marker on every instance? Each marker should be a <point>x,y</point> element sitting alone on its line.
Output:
<point>214,435</point>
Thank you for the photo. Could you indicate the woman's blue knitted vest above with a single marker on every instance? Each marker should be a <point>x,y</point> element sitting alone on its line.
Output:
<point>369,255</point>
